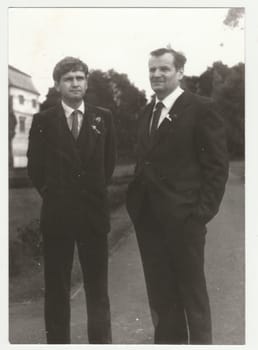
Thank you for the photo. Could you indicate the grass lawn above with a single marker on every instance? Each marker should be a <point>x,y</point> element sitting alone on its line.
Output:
<point>24,207</point>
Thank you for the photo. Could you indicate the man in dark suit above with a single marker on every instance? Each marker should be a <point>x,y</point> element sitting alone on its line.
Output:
<point>71,158</point>
<point>179,181</point>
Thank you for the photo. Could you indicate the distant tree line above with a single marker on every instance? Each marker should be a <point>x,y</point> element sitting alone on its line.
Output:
<point>226,86</point>
<point>114,91</point>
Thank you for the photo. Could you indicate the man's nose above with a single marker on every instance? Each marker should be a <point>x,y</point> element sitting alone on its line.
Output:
<point>75,82</point>
<point>156,73</point>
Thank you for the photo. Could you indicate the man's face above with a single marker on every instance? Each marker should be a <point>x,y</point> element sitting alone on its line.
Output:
<point>164,77</point>
<point>72,86</point>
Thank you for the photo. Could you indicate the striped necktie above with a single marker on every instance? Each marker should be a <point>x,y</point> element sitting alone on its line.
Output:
<point>75,123</point>
<point>155,119</point>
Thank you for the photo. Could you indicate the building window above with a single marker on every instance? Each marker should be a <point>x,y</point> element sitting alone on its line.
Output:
<point>22,124</point>
<point>34,103</point>
<point>21,99</point>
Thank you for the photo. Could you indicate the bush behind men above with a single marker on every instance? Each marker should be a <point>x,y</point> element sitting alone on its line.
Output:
<point>71,158</point>
<point>179,182</point>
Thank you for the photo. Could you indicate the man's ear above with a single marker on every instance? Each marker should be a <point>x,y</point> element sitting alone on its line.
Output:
<point>57,86</point>
<point>180,73</point>
<point>86,84</point>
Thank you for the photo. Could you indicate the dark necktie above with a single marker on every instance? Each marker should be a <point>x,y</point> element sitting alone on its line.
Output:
<point>75,124</point>
<point>155,119</point>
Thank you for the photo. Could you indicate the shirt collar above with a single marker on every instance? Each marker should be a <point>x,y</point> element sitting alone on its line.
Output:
<point>68,110</point>
<point>171,98</point>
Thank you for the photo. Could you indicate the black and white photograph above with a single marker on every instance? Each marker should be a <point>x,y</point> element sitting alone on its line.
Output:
<point>126,176</point>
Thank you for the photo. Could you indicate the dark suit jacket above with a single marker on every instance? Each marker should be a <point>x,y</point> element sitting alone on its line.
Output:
<point>185,170</point>
<point>72,174</point>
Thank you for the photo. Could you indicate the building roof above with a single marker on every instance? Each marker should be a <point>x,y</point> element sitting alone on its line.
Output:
<point>21,80</point>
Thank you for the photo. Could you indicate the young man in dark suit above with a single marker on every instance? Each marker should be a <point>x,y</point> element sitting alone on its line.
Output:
<point>179,182</point>
<point>71,158</point>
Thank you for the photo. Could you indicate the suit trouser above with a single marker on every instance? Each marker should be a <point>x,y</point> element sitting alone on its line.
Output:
<point>58,258</point>
<point>173,263</point>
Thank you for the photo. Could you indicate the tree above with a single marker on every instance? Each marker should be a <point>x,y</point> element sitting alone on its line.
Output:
<point>205,83</point>
<point>99,90</point>
<point>229,92</point>
<point>191,84</point>
<point>233,16</point>
<point>11,128</point>
<point>225,86</point>
<point>51,99</point>
<point>129,101</point>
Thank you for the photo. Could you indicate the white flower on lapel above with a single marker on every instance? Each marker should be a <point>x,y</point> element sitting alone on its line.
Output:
<point>96,122</point>
<point>98,119</point>
<point>168,117</point>
<point>95,129</point>
<point>171,117</point>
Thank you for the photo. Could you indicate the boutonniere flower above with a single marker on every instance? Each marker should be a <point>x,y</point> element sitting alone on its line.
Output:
<point>95,129</point>
<point>171,117</point>
<point>96,123</point>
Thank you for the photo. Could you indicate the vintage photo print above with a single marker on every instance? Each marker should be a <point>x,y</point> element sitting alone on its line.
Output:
<point>120,231</point>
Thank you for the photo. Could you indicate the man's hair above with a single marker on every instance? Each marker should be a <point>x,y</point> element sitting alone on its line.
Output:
<point>69,64</point>
<point>179,58</point>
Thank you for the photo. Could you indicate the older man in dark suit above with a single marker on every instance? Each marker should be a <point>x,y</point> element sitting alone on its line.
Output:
<point>180,177</point>
<point>71,158</point>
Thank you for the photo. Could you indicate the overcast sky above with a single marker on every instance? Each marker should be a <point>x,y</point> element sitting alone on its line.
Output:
<point>119,38</point>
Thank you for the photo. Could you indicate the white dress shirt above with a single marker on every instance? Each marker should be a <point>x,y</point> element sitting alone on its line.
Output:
<point>168,103</point>
<point>68,111</point>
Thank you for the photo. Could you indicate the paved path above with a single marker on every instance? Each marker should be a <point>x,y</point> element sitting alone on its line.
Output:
<point>130,313</point>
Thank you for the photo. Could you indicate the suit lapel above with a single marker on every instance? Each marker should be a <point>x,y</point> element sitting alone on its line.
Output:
<point>63,127</point>
<point>179,106</point>
<point>88,136</point>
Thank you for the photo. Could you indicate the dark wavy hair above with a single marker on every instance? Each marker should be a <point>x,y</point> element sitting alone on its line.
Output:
<point>179,57</point>
<point>69,64</point>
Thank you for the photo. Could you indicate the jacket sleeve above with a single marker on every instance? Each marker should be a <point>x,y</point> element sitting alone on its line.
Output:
<point>213,157</point>
<point>110,148</point>
<point>36,155</point>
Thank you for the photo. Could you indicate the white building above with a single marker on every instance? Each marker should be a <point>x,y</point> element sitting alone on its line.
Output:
<point>24,103</point>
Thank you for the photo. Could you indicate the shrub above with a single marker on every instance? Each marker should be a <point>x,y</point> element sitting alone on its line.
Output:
<point>26,250</point>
